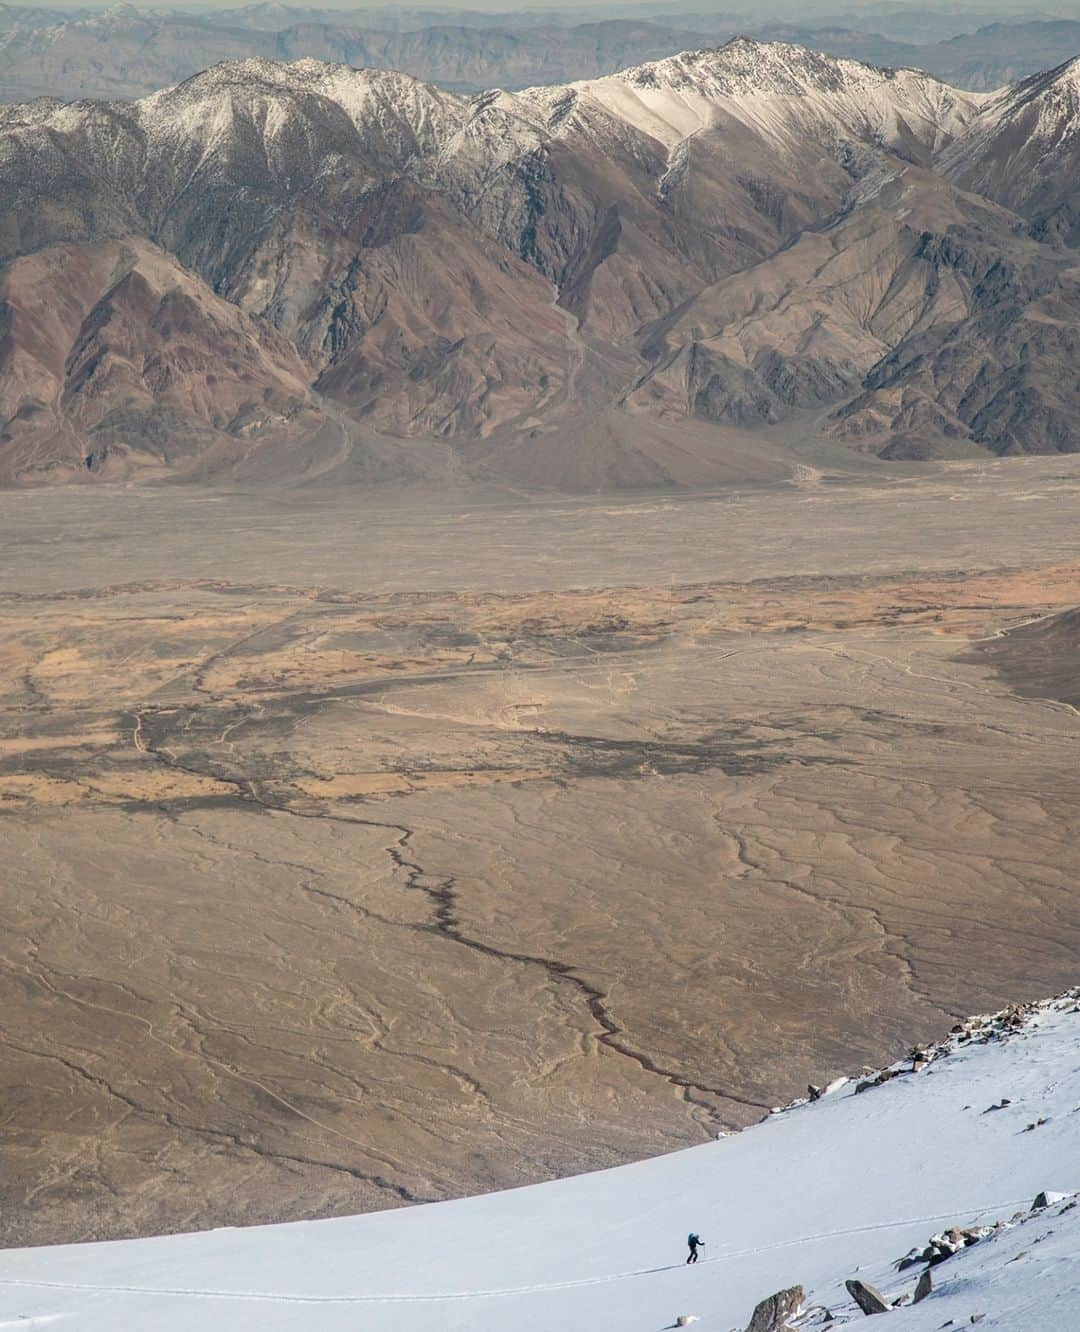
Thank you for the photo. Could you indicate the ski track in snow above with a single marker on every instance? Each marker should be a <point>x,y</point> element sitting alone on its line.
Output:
<point>437,1297</point>
<point>816,1192</point>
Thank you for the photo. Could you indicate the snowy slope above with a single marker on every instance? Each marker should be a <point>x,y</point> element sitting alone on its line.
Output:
<point>778,90</point>
<point>1049,104</point>
<point>381,105</point>
<point>813,1195</point>
<point>1023,149</point>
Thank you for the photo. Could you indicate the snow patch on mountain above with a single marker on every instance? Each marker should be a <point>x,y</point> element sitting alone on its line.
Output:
<point>1054,95</point>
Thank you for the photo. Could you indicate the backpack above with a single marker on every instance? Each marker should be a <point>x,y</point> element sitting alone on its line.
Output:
<point>692,1240</point>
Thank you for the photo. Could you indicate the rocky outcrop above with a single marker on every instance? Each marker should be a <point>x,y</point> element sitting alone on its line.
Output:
<point>775,1313</point>
<point>944,1246</point>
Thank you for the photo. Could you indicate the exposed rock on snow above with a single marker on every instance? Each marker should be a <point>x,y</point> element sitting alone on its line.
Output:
<point>1046,1198</point>
<point>869,1300</point>
<point>780,91</point>
<point>1023,150</point>
<point>773,1314</point>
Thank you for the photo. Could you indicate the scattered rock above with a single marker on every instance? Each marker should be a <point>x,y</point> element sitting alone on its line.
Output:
<point>952,1241</point>
<point>1002,1026</point>
<point>886,1075</point>
<point>923,1286</point>
<point>772,1315</point>
<point>920,1056</point>
<point>869,1300</point>
<point>977,1318</point>
<point>944,1245</point>
<point>684,1320</point>
<point>910,1258</point>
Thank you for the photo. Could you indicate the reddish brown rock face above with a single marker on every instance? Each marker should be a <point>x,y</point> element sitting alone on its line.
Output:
<point>118,361</point>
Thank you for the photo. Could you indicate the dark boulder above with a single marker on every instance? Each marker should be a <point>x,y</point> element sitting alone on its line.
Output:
<point>869,1300</point>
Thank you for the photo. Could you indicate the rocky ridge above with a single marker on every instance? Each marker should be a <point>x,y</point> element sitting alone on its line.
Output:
<point>789,1311</point>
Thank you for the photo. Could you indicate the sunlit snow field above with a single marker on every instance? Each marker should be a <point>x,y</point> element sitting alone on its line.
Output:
<point>812,1196</point>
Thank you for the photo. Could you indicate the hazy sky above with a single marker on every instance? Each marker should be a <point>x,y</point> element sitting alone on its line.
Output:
<point>880,15</point>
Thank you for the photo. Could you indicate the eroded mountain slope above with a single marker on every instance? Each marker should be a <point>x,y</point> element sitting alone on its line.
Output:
<point>738,235</point>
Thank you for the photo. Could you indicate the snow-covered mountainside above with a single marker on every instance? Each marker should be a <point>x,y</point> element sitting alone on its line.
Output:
<point>1023,150</point>
<point>779,90</point>
<point>961,1161</point>
<point>397,117</point>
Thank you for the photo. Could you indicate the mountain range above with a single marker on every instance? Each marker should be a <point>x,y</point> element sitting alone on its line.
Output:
<point>125,52</point>
<point>282,268</point>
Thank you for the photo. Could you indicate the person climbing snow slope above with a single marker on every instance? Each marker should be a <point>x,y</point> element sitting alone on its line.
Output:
<point>693,1241</point>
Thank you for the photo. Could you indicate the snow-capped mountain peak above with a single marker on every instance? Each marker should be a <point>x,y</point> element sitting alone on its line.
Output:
<point>1021,149</point>
<point>1053,97</point>
<point>745,66</point>
<point>365,95</point>
<point>299,118</point>
<point>778,89</point>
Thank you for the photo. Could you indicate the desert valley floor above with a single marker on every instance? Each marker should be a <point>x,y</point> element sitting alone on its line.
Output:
<point>362,849</point>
